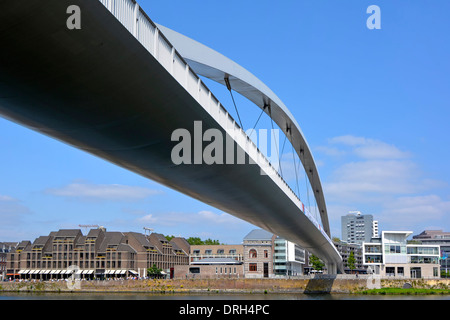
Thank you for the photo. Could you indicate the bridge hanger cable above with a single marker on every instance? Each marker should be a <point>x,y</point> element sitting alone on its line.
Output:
<point>227,82</point>
<point>307,190</point>
<point>295,168</point>
<point>254,127</point>
<point>276,145</point>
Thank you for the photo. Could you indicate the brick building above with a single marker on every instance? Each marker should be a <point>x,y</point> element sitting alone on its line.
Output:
<point>258,254</point>
<point>99,254</point>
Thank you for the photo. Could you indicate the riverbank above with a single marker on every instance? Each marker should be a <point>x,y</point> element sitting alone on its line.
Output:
<point>320,285</point>
<point>405,291</point>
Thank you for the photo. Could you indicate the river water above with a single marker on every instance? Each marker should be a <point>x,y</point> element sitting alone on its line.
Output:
<point>211,296</point>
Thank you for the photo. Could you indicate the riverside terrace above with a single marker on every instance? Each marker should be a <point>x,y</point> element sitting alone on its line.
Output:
<point>99,254</point>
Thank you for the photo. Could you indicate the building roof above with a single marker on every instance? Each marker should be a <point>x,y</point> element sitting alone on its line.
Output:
<point>259,234</point>
<point>432,234</point>
<point>67,233</point>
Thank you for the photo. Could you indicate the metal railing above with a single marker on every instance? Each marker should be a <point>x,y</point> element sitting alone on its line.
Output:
<point>136,21</point>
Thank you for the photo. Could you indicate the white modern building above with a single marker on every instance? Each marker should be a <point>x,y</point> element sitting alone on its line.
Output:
<point>289,258</point>
<point>392,256</point>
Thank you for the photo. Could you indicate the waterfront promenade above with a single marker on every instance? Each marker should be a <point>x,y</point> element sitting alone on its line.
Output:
<point>322,284</point>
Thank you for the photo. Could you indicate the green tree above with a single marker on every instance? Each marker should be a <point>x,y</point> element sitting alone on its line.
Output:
<point>197,241</point>
<point>170,237</point>
<point>351,261</point>
<point>154,271</point>
<point>194,241</point>
<point>316,263</point>
<point>211,242</point>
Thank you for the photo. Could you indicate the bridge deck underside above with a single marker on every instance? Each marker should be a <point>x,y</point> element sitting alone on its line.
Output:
<point>98,89</point>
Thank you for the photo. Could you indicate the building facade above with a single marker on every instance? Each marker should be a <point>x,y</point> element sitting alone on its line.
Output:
<point>345,250</point>
<point>232,251</point>
<point>259,254</point>
<point>357,228</point>
<point>212,262</point>
<point>99,254</point>
<point>5,248</point>
<point>441,238</point>
<point>289,258</point>
<point>392,256</point>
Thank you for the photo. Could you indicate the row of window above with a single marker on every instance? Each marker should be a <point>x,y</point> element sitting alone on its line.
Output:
<point>252,253</point>
<point>209,251</point>
<point>414,272</point>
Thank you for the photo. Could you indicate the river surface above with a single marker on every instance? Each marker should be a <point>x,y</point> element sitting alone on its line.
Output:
<point>212,296</point>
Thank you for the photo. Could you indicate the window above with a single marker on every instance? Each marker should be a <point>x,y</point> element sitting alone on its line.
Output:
<point>416,272</point>
<point>266,253</point>
<point>391,249</point>
<point>252,253</point>
<point>390,271</point>
<point>253,267</point>
<point>194,270</point>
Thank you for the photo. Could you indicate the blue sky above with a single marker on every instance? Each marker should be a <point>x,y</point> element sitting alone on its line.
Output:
<point>373,105</point>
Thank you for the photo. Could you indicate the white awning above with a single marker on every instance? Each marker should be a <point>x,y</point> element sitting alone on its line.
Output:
<point>90,272</point>
<point>47,271</point>
<point>123,271</point>
<point>133,272</point>
<point>79,272</point>
<point>21,271</point>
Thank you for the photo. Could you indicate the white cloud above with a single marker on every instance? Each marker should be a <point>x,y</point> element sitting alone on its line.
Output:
<point>375,176</point>
<point>13,215</point>
<point>410,211</point>
<point>197,218</point>
<point>115,192</point>
<point>6,198</point>
<point>367,148</point>
<point>382,179</point>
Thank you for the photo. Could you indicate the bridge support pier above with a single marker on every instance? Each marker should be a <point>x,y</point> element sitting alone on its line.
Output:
<point>332,268</point>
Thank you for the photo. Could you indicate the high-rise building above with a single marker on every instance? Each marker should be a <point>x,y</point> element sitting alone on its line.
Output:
<point>376,234</point>
<point>357,228</point>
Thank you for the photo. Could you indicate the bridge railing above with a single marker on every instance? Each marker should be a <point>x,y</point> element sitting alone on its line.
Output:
<point>136,21</point>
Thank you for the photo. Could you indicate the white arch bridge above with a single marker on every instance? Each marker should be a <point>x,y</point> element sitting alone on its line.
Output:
<point>121,85</point>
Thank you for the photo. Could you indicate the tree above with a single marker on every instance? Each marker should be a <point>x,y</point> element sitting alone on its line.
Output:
<point>197,241</point>
<point>351,261</point>
<point>212,242</point>
<point>170,237</point>
<point>154,271</point>
<point>194,241</point>
<point>317,264</point>
<point>336,239</point>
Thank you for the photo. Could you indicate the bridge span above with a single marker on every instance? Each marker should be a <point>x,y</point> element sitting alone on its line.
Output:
<point>117,88</point>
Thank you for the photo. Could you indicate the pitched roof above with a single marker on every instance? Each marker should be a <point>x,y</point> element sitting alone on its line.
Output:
<point>259,234</point>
